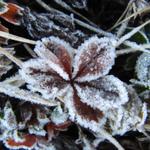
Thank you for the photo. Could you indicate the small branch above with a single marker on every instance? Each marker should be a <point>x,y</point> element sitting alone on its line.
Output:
<point>131,33</point>
<point>131,16</point>
<point>107,136</point>
<point>16,38</point>
<point>85,25</point>
<point>18,62</point>
<point>25,95</point>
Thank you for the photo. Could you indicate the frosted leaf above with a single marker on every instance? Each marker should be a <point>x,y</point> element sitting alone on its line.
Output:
<point>93,59</point>
<point>130,116</point>
<point>83,114</point>
<point>104,93</point>
<point>56,51</point>
<point>40,77</point>
<point>54,23</point>
<point>143,67</point>
<point>5,64</point>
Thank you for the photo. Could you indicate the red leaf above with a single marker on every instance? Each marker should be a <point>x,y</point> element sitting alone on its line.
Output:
<point>13,14</point>
<point>29,141</point>
<point>57,51</point>
<point>86,111</point>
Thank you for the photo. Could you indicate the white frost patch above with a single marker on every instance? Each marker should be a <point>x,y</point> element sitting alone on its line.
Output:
<point>37,81</point>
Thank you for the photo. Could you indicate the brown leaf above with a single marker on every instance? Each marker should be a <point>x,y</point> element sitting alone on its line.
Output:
<point>13,14</point>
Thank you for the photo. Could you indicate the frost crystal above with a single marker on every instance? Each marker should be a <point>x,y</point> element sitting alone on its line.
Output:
<point>59,73</point>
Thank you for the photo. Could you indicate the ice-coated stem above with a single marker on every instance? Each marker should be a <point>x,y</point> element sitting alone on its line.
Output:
<point>133,48</point>
<point>16,38</point>
<point>131,33</point>
<point>110,138</point>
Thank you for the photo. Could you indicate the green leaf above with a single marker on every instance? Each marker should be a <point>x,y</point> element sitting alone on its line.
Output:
<point>139,37</point>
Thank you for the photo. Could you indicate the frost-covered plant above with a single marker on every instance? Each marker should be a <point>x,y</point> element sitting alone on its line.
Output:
<point>79,79</point>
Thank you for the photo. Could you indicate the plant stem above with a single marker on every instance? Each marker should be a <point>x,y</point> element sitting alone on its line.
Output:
<point>131,33</point>
<point>18,62</point>
<point>16,38</point>
<point>107,136</point>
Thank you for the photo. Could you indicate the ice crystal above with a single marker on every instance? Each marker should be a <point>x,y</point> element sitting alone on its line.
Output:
<point>78,77</point>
